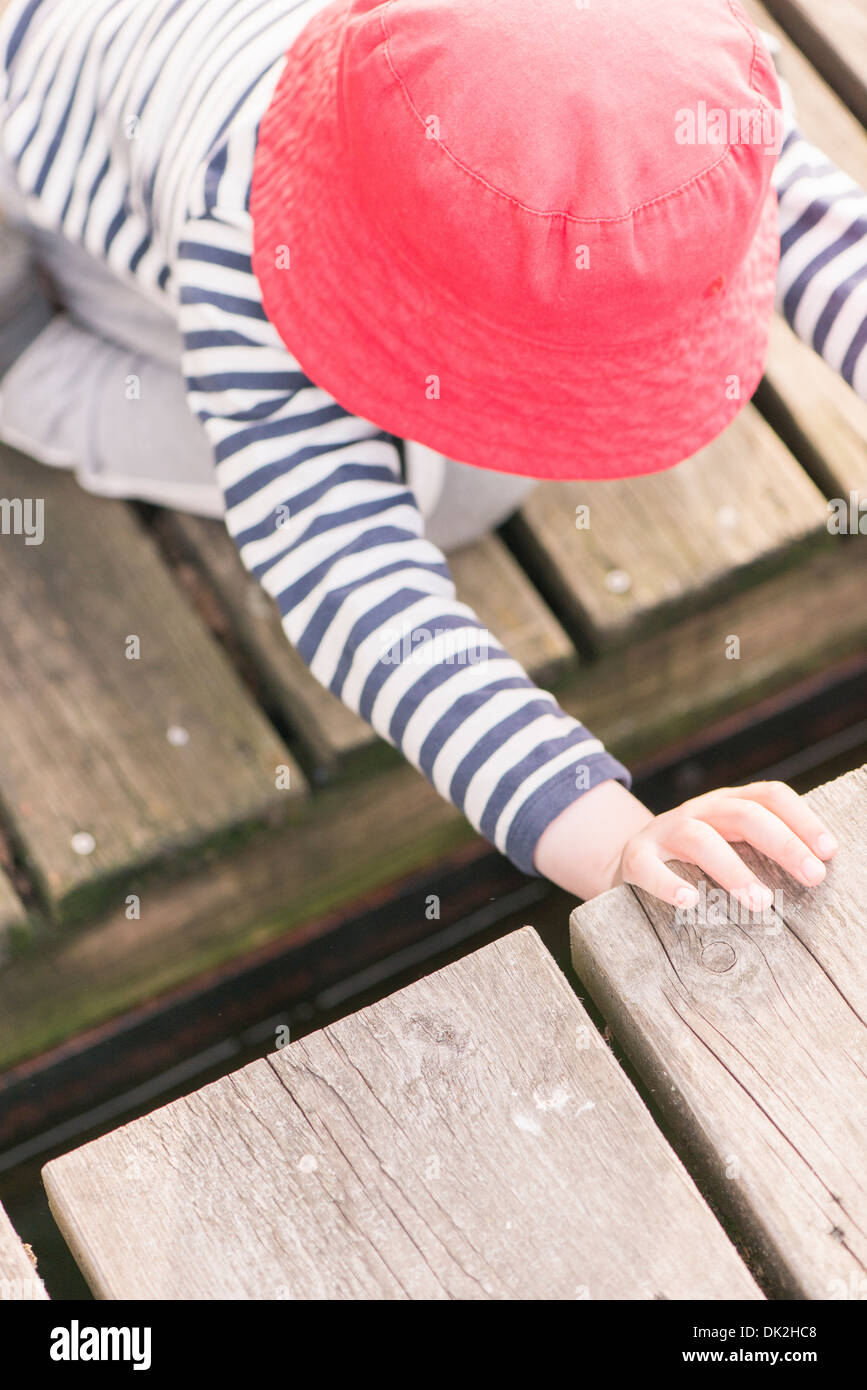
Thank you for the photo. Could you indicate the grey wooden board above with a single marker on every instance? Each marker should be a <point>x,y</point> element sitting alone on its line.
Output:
<point>822,418</point>
<point>18,1278</point>
<point>658,546</point>
<point>84,738</point>
<point>646,699</point>
<point>486,577</point>
<point>833,34</point>
<point>469,1137</point>
<point>330,730</point>
<point>751,1038</point>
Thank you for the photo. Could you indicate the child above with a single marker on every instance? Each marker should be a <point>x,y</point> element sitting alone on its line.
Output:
<point>339,247</point>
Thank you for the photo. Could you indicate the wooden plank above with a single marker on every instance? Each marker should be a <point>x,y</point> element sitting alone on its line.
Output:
<point>666,687</point>
<point>486,577</point>
<point>108,762</point>
<point>662,545</point>
<point>751,1036</point>
<point>833,34</point>
<point>331,732</point>
<point>818,414</point>
<point>18,1278</point>
<point>489,579</point>
<point>641,701</point>
<point>234,901</point>
<point>469,1137</point>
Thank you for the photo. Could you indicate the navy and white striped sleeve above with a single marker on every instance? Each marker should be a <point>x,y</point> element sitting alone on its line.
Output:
<point>317,507</point>
<point>822,276</point>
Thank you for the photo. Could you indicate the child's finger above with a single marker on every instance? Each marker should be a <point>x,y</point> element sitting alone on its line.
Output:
<point>793,809</point>
<point>698,843</point>
<point>648,871</point>
<point>739,819</point>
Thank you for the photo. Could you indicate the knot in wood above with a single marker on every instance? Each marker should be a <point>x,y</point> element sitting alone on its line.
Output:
<point>718,956</point>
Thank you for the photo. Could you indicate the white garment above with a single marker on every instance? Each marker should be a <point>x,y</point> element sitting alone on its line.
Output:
<point>59,404</point>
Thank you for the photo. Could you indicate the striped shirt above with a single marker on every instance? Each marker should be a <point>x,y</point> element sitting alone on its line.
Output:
<point>131,126</point>
<point>822,277</point>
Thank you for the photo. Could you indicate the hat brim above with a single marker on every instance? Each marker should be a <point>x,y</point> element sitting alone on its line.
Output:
<point>398,351</point>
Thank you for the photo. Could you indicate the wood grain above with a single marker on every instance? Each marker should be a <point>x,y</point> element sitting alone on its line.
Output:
<point>751,1037</point>
<point>659,546</point>
<point>86,736</point>
<point>18,1278</point>
<point>486,577</point>
<point>469,1137</point>
<point>833,35</point>
<point>818,414</point>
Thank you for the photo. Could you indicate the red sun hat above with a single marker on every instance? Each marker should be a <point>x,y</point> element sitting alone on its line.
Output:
<point>538,236</point>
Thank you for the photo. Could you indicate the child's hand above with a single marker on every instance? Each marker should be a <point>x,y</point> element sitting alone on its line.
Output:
<point>609,837</point>
<point>767,815</point>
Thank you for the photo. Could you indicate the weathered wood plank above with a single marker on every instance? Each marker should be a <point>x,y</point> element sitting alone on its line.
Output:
<point>486,577</point>
<point>18,1278</point>
<point>659,546</point>
<point>108,762</point>
<point>640,701</point>
<point>332,733</point>
<point>492,583</point>
<point>818,414</point>
<point>234,901</point>
<point>713,665</point>
<point>469,1137</point>
<point>751,1036</point>
<point>833,34</point>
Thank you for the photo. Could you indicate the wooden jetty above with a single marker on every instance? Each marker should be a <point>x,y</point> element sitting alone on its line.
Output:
<point>165,753</point>
<point>472,1136</point>
<point>179,798</point>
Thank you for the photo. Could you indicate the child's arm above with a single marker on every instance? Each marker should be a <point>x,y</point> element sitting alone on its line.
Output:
<point>317,508</point>
<point>822,276</point>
